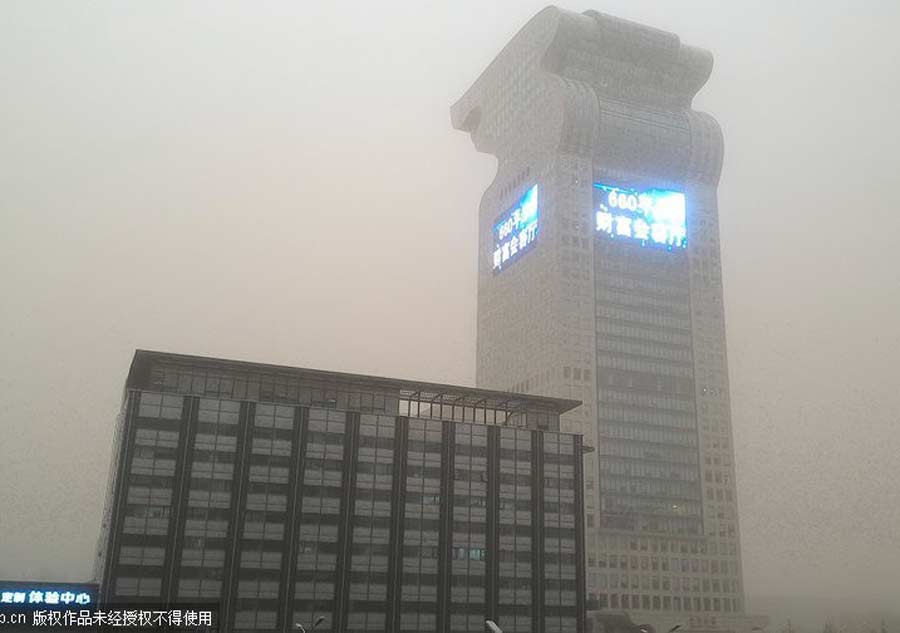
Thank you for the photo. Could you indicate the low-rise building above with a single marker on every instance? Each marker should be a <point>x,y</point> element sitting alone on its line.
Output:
<point>289,495</point>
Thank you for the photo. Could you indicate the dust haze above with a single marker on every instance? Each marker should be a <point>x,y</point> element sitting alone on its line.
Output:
<point>279,182</point>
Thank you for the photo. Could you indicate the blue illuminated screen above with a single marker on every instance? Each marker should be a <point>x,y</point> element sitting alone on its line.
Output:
<point>648,216</point>
<point>46,595</point>
<point>516,230</point>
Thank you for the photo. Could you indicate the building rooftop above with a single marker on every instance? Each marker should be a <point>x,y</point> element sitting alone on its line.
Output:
<point>216,377</point>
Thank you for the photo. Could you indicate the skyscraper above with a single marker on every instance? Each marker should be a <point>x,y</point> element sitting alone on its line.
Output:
<point>599,279</point>
<point>369,504</point>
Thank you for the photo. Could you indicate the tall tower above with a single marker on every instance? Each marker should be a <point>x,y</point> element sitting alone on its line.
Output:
<point>599,279</point>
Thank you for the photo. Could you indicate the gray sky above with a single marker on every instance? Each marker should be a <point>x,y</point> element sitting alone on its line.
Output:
<point>279,181</point>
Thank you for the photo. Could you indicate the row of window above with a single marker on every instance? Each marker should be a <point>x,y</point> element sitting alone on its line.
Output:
<point>686,437</point>
<point>634,544</point>
<point>678,308</point>
<point>208,445</point>
<point>642,288</point>
<point>645,317</point>
<point>667,603</point>
<point>637,467</point>
<point>653,365</point>
<point>646,349</point>
<point>636,449</point>
<point>623,396</point>
<point>687,526</point>
<point>642,332</point>
<point>627,415</point>
<point>675,583</point>
<point>199,381</point>
<point>668,488</point>
<point>651,381</point>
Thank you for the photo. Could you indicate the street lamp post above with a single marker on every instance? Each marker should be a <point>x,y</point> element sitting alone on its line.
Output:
<point>315,624</point>
<point>492,626</point>
<point>644,629</point>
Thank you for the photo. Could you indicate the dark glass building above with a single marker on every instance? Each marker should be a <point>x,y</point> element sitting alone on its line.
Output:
<point>381,505</point>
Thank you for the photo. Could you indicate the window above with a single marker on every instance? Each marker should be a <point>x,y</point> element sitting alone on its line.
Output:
<point>146,556</point>
<point>156,405</point>
<point>134,586</point>
<point>274,416</point>
<point>215,411</point>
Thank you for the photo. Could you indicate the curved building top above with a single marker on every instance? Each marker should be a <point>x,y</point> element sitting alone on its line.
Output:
<point>563,71</point>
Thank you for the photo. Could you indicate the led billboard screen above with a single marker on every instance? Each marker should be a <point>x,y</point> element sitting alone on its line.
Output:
<point>19,594</point>
<point>649,216</point>
<point>515,231</point>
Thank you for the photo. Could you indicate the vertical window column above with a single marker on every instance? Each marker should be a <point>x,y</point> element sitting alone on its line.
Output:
<point>422,521</point>
<point>517,544</point>
<point>371,524</point>
<point>259,558</point>
<point>398,505</point>
<point>142,556</point>
<point>320,515</point>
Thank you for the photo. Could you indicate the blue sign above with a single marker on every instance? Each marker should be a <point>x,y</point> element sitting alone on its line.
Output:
<point>516,230</point>
<point>649,216</point>
<point>32,595</point>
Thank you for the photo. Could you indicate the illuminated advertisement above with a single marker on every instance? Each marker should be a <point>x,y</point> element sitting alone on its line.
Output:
<point>649,216</point>
<point>516,230</point>
<point>46,595</point>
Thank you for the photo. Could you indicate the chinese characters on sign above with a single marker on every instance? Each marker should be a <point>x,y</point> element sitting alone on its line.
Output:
<point>516,230</point>
<point>652,216</point>
<point>40,596</point>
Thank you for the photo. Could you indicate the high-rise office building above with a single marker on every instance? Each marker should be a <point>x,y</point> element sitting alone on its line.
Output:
<point>289,495</point>
<point>600,279</point>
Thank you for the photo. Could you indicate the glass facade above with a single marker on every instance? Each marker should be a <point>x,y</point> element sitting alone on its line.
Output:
<point>650,469</point>
<point>469,529</point>
<point>649,458</point>
<point>285,512</point>
<point>146,512</point>
<point>619,302</point>
<point>516,526</point>
<point>422,525</point>
<point>559,533</point>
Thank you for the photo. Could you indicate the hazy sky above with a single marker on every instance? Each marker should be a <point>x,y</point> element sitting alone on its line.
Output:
<point>279,182</point>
